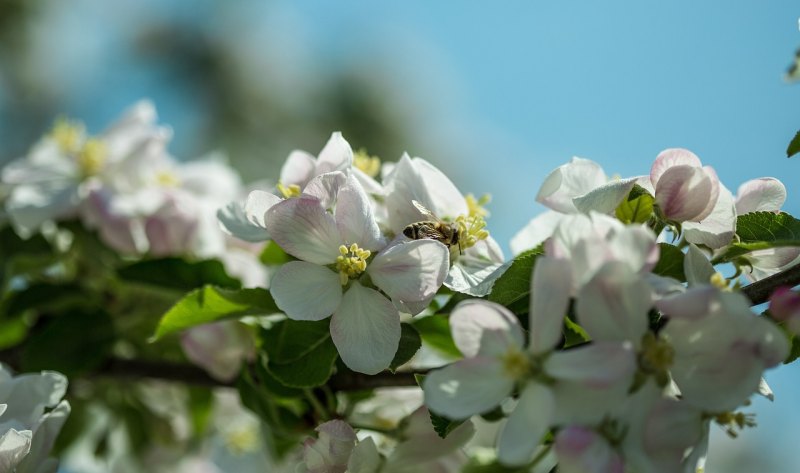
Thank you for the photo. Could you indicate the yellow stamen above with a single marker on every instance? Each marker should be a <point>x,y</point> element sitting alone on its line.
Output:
<point>719,281</point>
<point>471,230</point>
<point>167,179</point>
<point>292,190</point>
<point>516,364</point>
<point>242,440</point>
<point>68,135</point>
<point>477,207</point>
<point>351,262</point>
<point>657,355</point>
<point>369,165</point>
<point>91,157</point>
<point>735,422</point>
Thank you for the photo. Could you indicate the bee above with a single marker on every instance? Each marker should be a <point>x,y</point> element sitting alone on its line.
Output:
<point>434,229</point>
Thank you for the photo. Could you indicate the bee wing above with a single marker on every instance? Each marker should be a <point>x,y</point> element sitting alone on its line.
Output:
<point>424,211</point>
<point>429,232</point>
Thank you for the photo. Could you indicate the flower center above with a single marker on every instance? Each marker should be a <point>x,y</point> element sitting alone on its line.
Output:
<point>719,281</point>
<point>292,190</point>
<point>471,230</point>
<point>516,364</point>
<point>167,178</point>
<point>656,356</point>
<point>369,165</point>
<point>242,440</point>
<point>351,262</point>
<point>91,157</point>
<point>68,135</point>
<point>735,422</point>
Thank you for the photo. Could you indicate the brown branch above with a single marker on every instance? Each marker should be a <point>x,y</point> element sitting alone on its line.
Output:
<point>759,291</point>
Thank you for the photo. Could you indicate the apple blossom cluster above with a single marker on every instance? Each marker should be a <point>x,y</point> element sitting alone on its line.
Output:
<point>613,341</point>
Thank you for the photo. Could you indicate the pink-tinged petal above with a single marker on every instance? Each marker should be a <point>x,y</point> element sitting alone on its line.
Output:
<point>467,387</point>
<point>421,444</point>
<point>257,205</point>
<point>670,158</point>
<point>325,187</point>
<point>411,271</point>
<point>684,193</point>
<point>716,230</point>
<point>763,194</point>
<point>535,232</point>
<point>695,303</point>
<point>697,267</point>
<point>550,291</point>
<point>335,156</point>
<point>581,450</point>
<point>784,304</point>
<point>605,198</point>
<point>366,330</point>
<point>613,305</point>
<point>526,425</point>
<point>471,318</point>
<point>598,365</point>
<point>354,217</point>
<point>306,291</point>
<point>303,228</point>
<point>298,169</point>
<point>716,187</point>
<point>568,181</point>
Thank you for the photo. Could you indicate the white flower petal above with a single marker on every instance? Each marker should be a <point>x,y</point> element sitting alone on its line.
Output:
<point>568,181</point>
<point>599,364</point>
<point>29,206</point>
<point>325,187</point>
<point>366,330</point>
<point>233,221</point>
<point>14,446</point>
<point>44,439</point>
<point>526,425</point>
<point>550,291</point>
<point>303,228</point>
<point>716,230</point>
<point>471,318</point>
<point>298,169</point>
<point>582,450</point>
<point>697,267</point>
<point>475,271</point>
<point>606,198</point>
<point>614,304</point>
<point>354,217</point>
<point>763,194</point>
<point>684,193</point>
<point>467,387</point>
<point>365,458</point>
<point>411,271</point>
<point>535,232</point>
<point>306,291</point>
<point>335,156</point>
<point>257,205</point>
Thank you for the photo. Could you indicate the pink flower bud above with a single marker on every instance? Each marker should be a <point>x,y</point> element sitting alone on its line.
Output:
<point>784,305</point>
<point>685,189</point>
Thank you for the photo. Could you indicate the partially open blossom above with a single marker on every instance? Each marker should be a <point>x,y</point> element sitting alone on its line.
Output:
<point>220,348</point>
<point>685,190</point>
<point>784,306</point>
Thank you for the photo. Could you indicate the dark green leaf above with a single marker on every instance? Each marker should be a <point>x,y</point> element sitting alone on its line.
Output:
<point>73,343</point>
<point>574,334</point>
<point>410,342</point>
<point>300,354</point>
<point>209,304</point>
<point>513,288</point>
<point>443,426</point>
<point>273,255</point>
<point>794,146</point>
<point>760,231</point>
<point>670,262</point>
<point>435,331</point>
<point>176,273</point>
<point>44,297</point>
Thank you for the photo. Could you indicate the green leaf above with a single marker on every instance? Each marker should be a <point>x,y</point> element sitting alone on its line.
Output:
<point>273,255</point>
<point>574,334</point>
<point>637,208</point>
<point>177,273</point>
<point>760,231</point>
<point>670,262</point>
<point>794,146</point>
<point>209,304</point>
<point>435,331</point>
<point>442,425</point>
<point>300,354</point>
<point>73,343</point>
<point>513,288</point>
<point>201,404</point>
<point>410,342</point>
<point>44,297</point>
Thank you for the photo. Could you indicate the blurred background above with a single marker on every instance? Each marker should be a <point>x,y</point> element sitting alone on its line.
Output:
<point>496,95</point>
